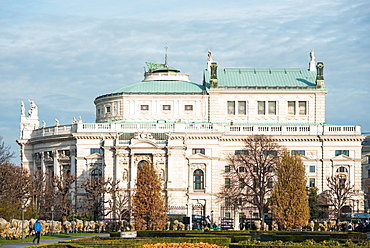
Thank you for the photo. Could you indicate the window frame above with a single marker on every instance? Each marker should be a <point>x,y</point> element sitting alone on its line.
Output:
<point>230,107</point>
<point>298,152</point>
<point>188,107</point>
<point>340,152</point>
<point>144,107</point>
<point>312,182</point>
<point>198,151</point>
<point>198,179</point>
<point>166,107</point>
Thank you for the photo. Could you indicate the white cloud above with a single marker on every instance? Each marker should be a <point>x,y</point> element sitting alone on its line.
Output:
<point>67,53</point>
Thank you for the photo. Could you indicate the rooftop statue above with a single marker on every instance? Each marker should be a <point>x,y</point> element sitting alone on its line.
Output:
<point>33,109</point>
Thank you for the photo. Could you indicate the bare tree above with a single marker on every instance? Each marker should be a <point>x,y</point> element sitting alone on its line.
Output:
<point>64,185</point>
<point>250,175</point>
<point>340,191</point>
<point>5,153</point>
<point>95,190</point>
<point>119,202</point>
<point>38,188</point>
<point>15,189</point>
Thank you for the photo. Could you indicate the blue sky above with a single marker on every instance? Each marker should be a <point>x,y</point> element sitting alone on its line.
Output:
<point>63,54</point>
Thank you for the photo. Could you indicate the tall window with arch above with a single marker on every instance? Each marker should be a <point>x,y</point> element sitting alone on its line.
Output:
<point>142,163</point>
<point>342,169</point>
<point>198,179</point>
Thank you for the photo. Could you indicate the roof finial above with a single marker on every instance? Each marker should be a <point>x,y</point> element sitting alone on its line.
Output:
<point>312,66</point>
<point>165,57</point>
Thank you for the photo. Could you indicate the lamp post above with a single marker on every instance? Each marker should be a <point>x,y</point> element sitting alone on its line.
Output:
<point>22,206</point>
<point>52,220</point>
<point>73,219</point>
<point>211,218</point>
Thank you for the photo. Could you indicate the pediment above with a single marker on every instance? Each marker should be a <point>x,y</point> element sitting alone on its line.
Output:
<point>303,157</point>
<point>341,157</point>
<point>143,144</point>
<point>94,156</point>
<point>198,156</point>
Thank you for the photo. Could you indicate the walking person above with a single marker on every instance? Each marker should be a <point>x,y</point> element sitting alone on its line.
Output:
<point>37,227</point>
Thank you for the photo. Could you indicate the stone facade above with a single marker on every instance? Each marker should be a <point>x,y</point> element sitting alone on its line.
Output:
<point>188,132</point>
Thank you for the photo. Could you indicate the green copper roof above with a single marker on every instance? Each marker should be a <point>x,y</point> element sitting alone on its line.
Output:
<point>249,78</point>
<point>162,87</point>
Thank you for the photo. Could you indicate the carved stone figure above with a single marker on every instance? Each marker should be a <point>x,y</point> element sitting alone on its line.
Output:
<point>210,55</point>
<point>33,111</point>
<point>312,55</point>
<point>23,110</point>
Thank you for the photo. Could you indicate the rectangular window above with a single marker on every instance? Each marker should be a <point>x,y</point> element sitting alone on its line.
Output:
<point>166,107</point>
<point>302,107</point>
<point>96,150</point>
<point>296,152</point>
<point>312,168</point>
<point>344,152</point>
<point>241,183</point>
<point>368,173</point>
<point>199,150</point>
<point>227,168</point>
<point>261,107</point>
<point>312,182</point>
<point>144,107</point>
<point>227,182</point>
<point>188,107</point>
<point>342,183</point>
<point>108,109</point>
<point>291,107</point>
<point>244,152</point>
<point>270,183</point>
<point>227,214</point>
<point>227,202</point>
<point>273,153</point>
<point>272,107</point>
<point>242,108</point>
<point>230,107</point>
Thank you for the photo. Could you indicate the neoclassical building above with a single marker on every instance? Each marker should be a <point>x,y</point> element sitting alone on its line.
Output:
<point>187,130</point>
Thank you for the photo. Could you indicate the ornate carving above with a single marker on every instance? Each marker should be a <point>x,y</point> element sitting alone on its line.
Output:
<point>143,135</point>
<point>198,166</point>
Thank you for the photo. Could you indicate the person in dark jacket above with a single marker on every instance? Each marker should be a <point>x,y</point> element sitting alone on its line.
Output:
<point>37,227</point>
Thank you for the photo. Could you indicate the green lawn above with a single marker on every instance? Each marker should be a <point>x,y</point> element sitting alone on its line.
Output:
<point>55,236</point>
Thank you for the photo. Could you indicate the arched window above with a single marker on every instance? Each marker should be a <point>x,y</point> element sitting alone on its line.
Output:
<point>198,179</point>
<point>342,169</point>
<point>96,173</point>
<point>142,163</point>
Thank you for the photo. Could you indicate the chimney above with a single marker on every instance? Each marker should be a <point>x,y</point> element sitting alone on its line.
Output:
<point>213,81</point>
<point>320,75</point>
